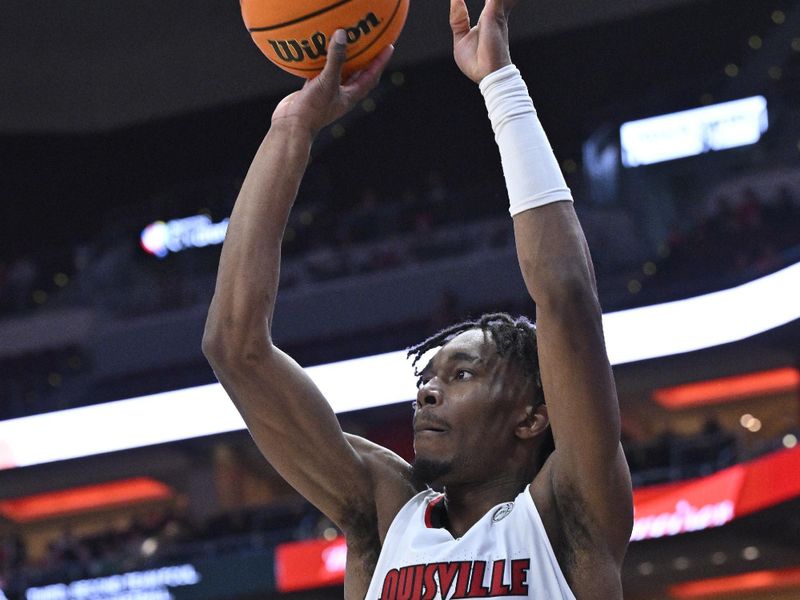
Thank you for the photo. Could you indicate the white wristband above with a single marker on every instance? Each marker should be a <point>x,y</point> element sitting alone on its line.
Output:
<point>533,177</point>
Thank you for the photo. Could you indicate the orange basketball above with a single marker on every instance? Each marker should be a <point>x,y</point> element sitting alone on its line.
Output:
<point>294,34</point>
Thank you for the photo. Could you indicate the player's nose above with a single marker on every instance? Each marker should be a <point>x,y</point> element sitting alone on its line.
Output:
<point>428,395</point>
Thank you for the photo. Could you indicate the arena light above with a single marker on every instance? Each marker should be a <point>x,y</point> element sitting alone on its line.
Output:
<point>84,498</point>
<point>187,413</point>
<point>693,132</point>
<point>733,586</point>
<point>728,389</point>
<point>703,321</point>
<point>160,238</point>
<point>631,335</point>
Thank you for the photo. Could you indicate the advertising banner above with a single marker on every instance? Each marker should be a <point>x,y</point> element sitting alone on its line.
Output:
<point>206,579</point>
<point>309,565</point>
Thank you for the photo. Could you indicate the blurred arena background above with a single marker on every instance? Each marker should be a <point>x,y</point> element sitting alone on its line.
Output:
<point>125,131</point>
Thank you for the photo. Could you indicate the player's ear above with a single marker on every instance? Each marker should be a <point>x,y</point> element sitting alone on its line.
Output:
<point>533,422</point>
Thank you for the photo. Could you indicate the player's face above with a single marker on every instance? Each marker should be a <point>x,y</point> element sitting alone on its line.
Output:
<point>468,407</point>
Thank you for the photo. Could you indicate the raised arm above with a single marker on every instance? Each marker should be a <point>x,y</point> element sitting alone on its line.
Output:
<point>588,467</point>
<point>588,471</point>
<point>290,421</point>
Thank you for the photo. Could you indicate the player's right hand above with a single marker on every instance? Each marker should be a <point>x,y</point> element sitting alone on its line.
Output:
<point>325,98</point>
<point>482,49</point>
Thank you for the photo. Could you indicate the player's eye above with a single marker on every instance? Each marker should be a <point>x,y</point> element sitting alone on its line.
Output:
<point>463,374</point>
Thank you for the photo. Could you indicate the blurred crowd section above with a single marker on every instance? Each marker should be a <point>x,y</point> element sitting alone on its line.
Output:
<point>744,231</point>
<point>744,234</point>
<point>745,228</point>
<point>359,233</point>
<point>155,537</point>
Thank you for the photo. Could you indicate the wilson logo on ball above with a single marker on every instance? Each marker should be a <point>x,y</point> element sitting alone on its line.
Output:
<point>294,34</point>
<point>295,51</point>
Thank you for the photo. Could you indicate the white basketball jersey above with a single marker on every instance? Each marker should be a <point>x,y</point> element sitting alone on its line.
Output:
<point>506,554</point>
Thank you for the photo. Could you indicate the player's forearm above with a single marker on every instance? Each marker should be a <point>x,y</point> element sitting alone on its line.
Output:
<point>550,243</point>
<point>247,280</point>
<point>554,258</point>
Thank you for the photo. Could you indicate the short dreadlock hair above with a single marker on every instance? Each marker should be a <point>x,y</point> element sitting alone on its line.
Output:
<point>515,340</point>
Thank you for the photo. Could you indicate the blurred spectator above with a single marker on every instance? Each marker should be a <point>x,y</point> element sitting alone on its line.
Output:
<point>20,279</point>
<point>748,213</point>
<point>744,233</point>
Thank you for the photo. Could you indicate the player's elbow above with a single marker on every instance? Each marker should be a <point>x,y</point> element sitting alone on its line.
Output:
<point>229,348</point>
<point>214,343</point>
<point>213,348</point>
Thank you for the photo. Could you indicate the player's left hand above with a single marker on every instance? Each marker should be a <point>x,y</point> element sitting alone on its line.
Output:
<point>325,98</point>
<point>482,49</point>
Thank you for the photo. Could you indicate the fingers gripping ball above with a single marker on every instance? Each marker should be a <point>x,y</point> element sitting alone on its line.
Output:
<point>295,34</point>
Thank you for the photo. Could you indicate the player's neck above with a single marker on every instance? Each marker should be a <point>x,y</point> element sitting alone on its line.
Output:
<point>467,503</point>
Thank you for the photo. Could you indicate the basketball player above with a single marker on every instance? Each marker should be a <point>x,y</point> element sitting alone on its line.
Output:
<point>517,518</point>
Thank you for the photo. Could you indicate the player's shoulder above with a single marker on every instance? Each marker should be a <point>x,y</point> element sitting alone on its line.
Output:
<point>362,444</point>
<point>377,456</point>
<point>392,482</point>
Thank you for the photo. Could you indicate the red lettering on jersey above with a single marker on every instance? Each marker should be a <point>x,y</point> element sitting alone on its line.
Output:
<point>429,592</point>
<point>498,571</point>
<point>476,587</point>
<point>410,585</point>
<point>417,589</point>
<point>464,569</point>
<point>390,585</point>
<point>404,585</point>
<point>519,573</point>
<point>447,573</point>
<point>418,582</point>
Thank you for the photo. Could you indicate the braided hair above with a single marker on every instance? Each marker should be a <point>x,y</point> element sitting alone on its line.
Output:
<point>515,340</point>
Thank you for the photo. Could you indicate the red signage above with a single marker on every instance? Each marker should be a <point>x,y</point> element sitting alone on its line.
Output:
<point>692,506</point>
<point>309,565</point>
<point>712,501</point>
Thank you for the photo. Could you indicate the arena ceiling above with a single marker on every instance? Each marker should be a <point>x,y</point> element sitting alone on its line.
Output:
<point>88,66</point>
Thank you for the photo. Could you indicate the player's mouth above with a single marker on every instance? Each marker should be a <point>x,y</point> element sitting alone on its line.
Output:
<point>430,424</point>
<point>430,428</point>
